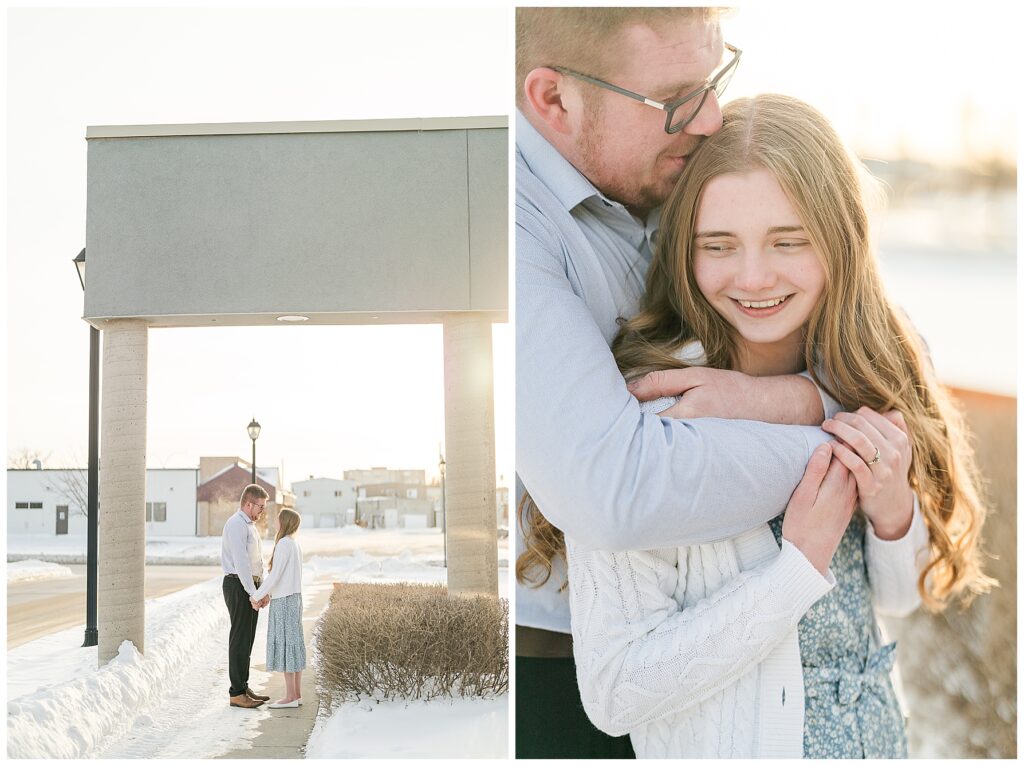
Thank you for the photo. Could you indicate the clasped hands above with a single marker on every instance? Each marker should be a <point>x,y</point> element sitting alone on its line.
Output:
<point>868,464</point>
<point>257,605</point>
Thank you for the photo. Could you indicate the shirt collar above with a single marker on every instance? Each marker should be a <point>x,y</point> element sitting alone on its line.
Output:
<point>568,184</point>
<point>559,175</point>
<point>244,516</point>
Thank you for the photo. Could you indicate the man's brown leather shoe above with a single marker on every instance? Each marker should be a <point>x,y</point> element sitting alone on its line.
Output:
<point>244,700</point>
<point>253,695</point>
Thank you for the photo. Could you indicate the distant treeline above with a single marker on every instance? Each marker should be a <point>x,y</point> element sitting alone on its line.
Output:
<point>906,177</point>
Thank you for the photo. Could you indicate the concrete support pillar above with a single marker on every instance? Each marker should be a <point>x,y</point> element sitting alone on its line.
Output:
<point>469,456</point>
<point>122,529</point>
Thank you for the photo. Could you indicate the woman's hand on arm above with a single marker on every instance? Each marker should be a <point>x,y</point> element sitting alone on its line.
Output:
<point>706,392</point>
<point>876,449</point>
<point>821,508</point>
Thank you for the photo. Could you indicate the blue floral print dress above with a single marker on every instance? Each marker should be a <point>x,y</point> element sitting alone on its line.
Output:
<point>851,710</point>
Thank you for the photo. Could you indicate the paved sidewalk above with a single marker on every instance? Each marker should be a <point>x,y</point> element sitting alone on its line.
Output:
<point>285,732</point>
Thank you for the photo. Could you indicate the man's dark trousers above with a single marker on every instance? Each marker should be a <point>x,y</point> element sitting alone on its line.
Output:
<point>550,721</point>
<point>243,633</point>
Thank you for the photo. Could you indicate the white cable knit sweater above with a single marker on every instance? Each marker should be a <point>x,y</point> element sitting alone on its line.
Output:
<point>693,651</point>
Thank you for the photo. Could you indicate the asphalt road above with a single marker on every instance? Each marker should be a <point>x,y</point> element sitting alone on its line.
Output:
<point>38,608</point>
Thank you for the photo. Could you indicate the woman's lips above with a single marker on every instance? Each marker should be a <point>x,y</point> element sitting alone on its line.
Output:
<point>761,312</point>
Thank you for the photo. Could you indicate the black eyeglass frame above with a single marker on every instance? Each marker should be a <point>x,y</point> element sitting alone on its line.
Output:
<point>671,106</point>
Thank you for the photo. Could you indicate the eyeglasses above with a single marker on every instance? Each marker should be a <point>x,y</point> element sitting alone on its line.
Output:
<point>682,111</point>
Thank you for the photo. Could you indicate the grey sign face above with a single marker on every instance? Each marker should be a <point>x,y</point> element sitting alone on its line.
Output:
<point>341,225</point>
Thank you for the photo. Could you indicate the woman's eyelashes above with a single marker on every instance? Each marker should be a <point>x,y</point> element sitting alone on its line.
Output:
<point>716,248</point>
<point>724,248</point>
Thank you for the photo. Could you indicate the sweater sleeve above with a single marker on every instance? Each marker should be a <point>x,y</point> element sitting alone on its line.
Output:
<point>894,566</point>
<point>282,555</point>
<point>640,656</point>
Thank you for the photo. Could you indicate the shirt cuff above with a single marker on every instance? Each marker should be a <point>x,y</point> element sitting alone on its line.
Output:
<point>660,404</point>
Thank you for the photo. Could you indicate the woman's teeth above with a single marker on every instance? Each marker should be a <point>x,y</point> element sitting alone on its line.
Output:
<point>762,304</point>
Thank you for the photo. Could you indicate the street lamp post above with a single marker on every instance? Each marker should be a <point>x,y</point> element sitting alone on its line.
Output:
<point>444,514</point>
<point>93,476</point>
<point>254,434</point>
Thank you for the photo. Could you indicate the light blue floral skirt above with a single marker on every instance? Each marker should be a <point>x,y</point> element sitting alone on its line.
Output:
<point>851,710</point>
<point>286,647</point>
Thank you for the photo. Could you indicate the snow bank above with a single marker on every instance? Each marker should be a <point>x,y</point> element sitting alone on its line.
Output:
<point>75,718</point>
<point>34,569</point>
<point>437,729</point>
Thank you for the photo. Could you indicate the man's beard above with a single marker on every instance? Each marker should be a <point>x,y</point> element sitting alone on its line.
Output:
<point>628,191</point>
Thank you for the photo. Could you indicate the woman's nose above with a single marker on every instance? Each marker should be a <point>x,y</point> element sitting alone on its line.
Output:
<point>755,275</point>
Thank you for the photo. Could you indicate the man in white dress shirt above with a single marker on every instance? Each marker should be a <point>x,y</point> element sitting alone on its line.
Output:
<point>241,556</point>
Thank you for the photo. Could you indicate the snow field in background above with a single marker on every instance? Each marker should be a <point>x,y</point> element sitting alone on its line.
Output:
<point>34,569</point>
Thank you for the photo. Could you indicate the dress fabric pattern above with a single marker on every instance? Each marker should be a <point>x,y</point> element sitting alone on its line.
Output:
<point>851,709</point>
<point>286,648</point>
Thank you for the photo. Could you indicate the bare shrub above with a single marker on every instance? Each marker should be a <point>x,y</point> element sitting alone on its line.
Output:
<point>410,641</point>
<point>959,668</point>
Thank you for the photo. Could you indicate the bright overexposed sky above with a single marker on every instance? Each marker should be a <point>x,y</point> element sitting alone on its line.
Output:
<point>935,80</point>
<point>328,398</point>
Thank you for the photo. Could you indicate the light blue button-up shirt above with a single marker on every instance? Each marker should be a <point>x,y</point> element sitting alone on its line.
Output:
<point>608,475</point>
<point>241,551</point>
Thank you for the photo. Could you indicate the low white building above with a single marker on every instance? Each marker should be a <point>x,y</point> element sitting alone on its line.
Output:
<point>389,512</point>
<point>53,501</point>
<point>325,503</point>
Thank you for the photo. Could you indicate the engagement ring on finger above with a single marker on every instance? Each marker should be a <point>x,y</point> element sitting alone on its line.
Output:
<point>876,458</point>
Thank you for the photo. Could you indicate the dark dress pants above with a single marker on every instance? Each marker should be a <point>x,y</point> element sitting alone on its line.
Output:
<point>242,635</point>
<point>550,720</point>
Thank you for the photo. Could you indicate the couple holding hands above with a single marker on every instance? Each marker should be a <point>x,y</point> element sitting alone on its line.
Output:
<point>246,591</point>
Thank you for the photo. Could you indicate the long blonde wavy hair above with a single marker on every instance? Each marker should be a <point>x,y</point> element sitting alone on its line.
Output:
<point>288,522</point>
<point>858,347</point>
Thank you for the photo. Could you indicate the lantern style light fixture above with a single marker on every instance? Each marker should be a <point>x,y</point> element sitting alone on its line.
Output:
<point>254,434</point>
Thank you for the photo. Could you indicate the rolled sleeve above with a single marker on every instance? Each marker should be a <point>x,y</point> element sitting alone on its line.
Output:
<point>829,406</point>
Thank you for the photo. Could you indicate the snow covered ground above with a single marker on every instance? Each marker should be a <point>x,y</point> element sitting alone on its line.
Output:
<point>416,729</point>
<point>61,706</point>
<point>34,569</point>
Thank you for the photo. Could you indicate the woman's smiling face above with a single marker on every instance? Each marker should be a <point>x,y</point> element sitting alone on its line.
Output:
<point>754,263</point>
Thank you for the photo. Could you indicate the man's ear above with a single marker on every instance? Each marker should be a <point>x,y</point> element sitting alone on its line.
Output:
<point>543,91</point>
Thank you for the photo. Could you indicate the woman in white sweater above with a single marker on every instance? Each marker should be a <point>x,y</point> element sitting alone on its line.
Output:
<point>766,644</point>
<point>286,648</point>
